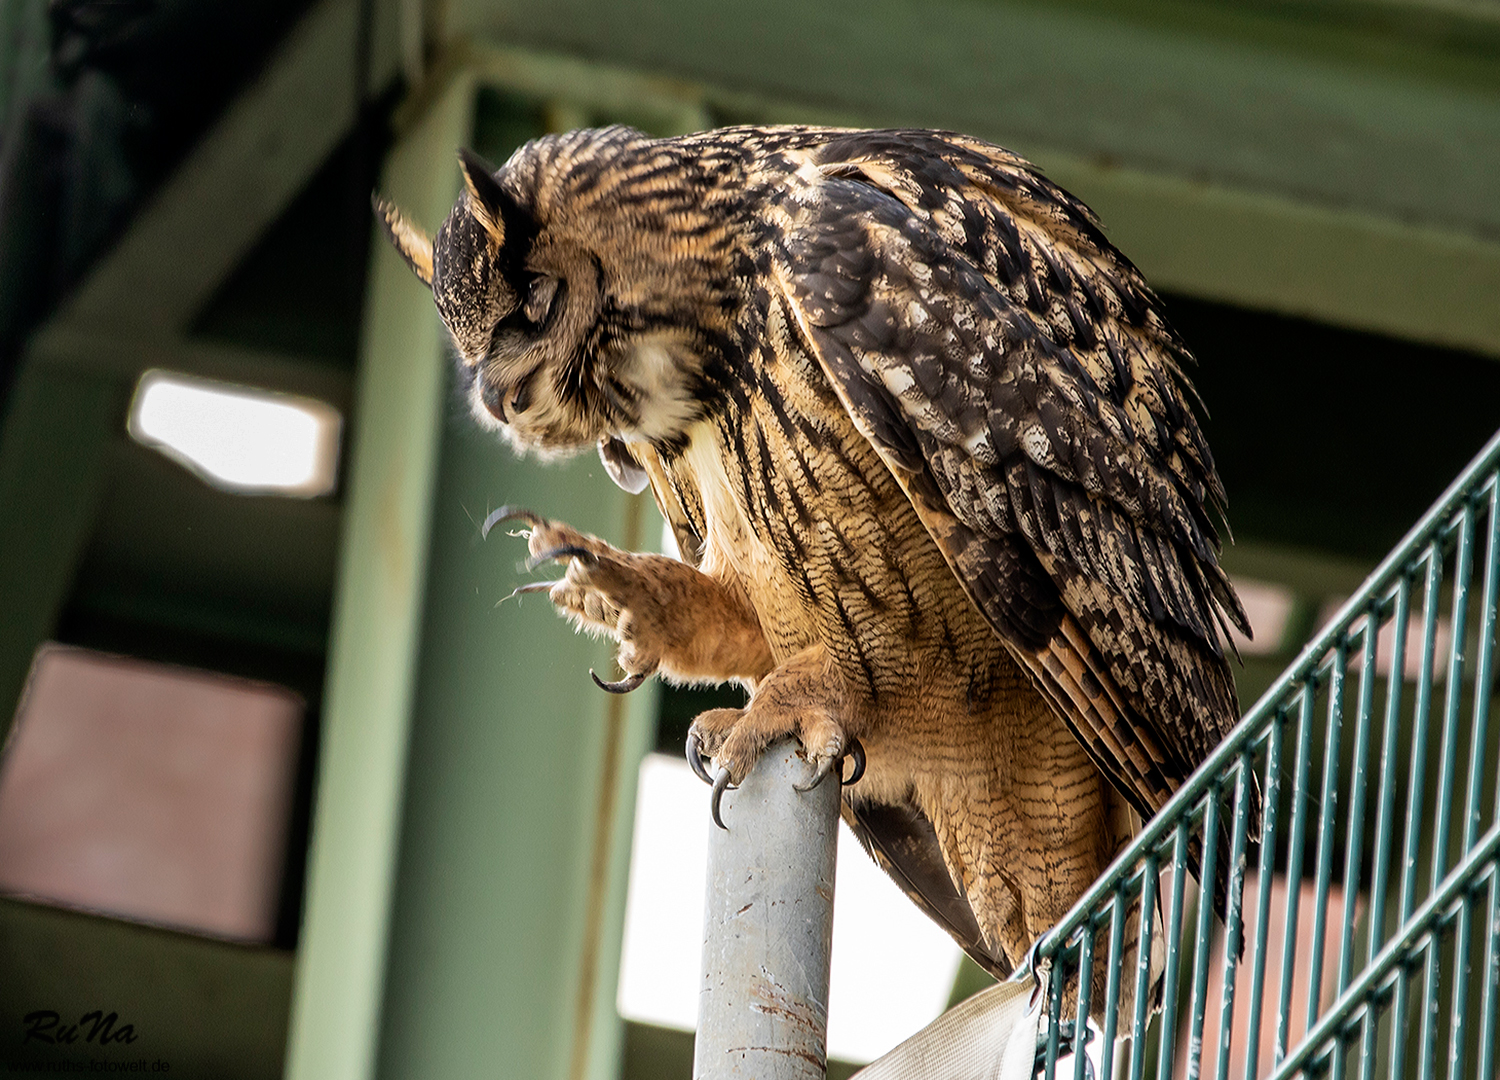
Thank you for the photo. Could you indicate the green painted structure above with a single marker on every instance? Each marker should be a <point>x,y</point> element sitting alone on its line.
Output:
<point>1316,184</point>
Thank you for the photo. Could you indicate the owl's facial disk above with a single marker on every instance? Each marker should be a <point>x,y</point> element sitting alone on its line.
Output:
<point>516,315</point>
<point>522,281</point>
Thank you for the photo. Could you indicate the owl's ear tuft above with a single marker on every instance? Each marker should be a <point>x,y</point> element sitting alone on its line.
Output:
<point>487,199</point>
<point>414,245</point>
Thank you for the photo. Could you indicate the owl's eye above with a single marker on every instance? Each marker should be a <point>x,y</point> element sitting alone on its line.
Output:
<point>521,400</point>
<point>539,300</point>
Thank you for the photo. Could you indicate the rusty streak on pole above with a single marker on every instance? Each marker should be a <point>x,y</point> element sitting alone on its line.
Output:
<point>768,926</point>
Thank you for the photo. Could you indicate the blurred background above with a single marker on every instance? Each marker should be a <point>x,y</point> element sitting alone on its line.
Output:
<point>286,790</point>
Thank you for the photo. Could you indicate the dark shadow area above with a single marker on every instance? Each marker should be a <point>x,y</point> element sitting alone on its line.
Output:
<point>301,289</point>
<point>107,96</point>
<point>1327,438</point>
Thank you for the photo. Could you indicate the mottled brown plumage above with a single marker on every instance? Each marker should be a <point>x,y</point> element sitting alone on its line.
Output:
<point>927,449</point>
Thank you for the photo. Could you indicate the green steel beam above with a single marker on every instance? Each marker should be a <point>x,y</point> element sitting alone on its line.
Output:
<point>239,177</point>
<point>71,391</point>
<point>518,800</point>
<point>1346,174</point>
<point>52,476</point>
<point>471,834</point>
<point>1344,267</point>
<point>1398,123</point>
<point>376,631</point>
<point>518,797</point>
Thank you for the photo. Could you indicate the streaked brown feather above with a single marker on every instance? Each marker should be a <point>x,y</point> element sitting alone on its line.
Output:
<point>849,363</point>
<point>905,845</point>
<point>1014,373</point>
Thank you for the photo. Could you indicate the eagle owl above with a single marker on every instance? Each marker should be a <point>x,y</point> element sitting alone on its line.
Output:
<point>926,445</point>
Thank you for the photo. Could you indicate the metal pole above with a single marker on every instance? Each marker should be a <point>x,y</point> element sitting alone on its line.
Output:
<point>768,925</point>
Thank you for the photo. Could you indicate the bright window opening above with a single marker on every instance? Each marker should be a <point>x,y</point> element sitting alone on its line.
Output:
<point>238,438</point>
<point>149,792</point>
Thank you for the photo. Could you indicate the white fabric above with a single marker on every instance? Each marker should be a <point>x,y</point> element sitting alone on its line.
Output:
<point>991,1036</point>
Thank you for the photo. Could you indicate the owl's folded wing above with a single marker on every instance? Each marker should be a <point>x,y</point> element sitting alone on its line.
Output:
<point>1062,474</point>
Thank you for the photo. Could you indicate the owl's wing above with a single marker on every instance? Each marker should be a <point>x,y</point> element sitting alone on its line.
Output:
<point>1013,372</point>
<point>903,843</point>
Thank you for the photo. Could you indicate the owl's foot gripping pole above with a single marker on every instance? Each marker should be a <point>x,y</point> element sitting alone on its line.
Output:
<point>768,925</point>
<point>720,782</point>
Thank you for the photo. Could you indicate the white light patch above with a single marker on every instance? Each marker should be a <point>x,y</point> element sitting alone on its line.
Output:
<point>669,546</point>
<point>663,947</point>
<point>1269,608</point>
<point>236,437</point>
<point>892,967</point>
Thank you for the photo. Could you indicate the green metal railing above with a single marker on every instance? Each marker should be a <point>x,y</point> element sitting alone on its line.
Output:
<point>1362,937</point>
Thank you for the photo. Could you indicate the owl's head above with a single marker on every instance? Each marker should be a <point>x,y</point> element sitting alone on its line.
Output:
<point>579,309</point>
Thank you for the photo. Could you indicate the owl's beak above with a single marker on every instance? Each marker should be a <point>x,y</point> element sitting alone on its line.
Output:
<point>414,245</point>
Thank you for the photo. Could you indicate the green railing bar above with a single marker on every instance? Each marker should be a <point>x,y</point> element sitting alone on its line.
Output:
<point>1448,766</point>
<point>1270,809</point>
<point>1418,772</point>
<point>1491,979</point>
<point>1453,694</point>
<point>1294,870</point>
<point>1354,834</point>
<point>1327,804</point>
<point>1478,864</point>
<point>1463,929</point>
<point>1172,942</point>
<point>1250,727</point>
<point>1483,672</point>
<point>1427,1034</point>
<point>1430,974</point>
<point>1203,939</point>
<point>1112,980</point>
<point>1483,665</point>
<point>1085,994</point>
<point>1143,967</point>
<point>1234,917</point>
<point>1463,966</point>
<point>1385,812</point>
<point>1054,1032</point>
<point>1358,779</point>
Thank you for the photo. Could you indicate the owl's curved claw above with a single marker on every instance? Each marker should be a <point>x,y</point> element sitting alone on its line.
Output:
<point>857,752</point>
<point>566,551</point>
<point>510,513</point>
<point>623,686</point>
<point>695,758</point>
<point>721,784</point>
<point>823,770</point>
<point>531,587</point>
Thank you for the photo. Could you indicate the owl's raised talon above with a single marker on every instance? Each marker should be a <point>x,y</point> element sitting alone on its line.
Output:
<point>510,513</point>
<point>696,757</point>
<point>623,686</point>
<point>567,551</point>
<point>533,587</point>
<point>721,784</point>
